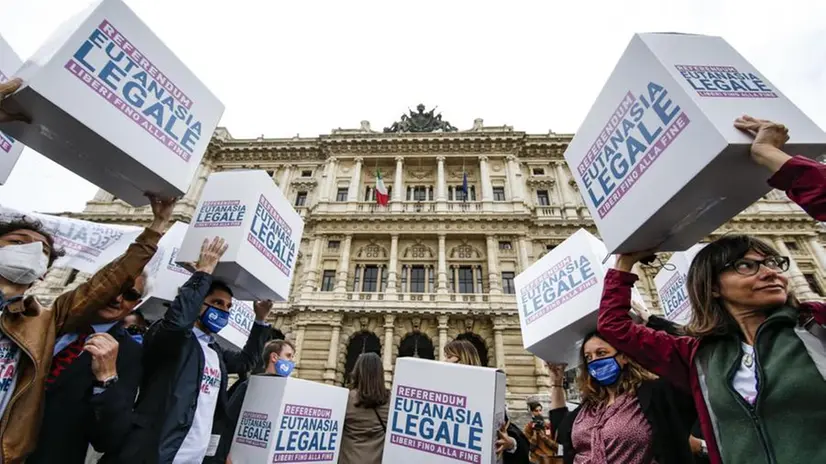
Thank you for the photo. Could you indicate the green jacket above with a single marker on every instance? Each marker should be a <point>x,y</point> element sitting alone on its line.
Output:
<point>771,430</point>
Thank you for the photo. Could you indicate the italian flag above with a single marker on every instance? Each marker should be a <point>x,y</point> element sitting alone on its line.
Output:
<point>381,190</point>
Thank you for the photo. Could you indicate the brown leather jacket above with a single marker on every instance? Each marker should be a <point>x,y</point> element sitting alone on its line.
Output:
<point>35,330</point>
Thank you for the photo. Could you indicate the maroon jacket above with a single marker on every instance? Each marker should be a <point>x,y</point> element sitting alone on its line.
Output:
<point>671,357</point>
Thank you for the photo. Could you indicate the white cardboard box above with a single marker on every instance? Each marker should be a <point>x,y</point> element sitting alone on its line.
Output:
<point>671,285</point>
<point>261,227</point>
<point>658,159</point>
<point>241,318</point>
<point>444,413</point>
<point>284,419</point>
<point>110,102</point>
<point>558,297</point>
<point>10,149</point>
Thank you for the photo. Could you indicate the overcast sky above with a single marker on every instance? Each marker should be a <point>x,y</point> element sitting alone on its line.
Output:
<point>306,67</point>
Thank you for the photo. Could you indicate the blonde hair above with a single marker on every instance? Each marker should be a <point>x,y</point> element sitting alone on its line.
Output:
<point>465,351</point>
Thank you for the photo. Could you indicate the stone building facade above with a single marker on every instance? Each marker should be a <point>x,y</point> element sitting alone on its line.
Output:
<point>432,266</point>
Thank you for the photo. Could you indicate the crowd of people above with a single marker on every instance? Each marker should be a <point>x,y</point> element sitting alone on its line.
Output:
<point>742,382</point>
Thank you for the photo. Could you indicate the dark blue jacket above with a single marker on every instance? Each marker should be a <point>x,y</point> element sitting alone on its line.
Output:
<point>173,365</point>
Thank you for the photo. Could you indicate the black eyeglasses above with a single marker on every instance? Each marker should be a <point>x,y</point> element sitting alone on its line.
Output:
<point>131,295</point>
<point>749,267</point>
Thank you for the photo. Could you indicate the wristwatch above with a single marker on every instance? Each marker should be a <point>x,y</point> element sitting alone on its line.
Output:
<point>106,383</point>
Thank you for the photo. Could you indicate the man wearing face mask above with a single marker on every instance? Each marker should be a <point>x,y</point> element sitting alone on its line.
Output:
<point>185,377</point>
<point>89,394</point>
<point>135,325</point>
<point>28,332</point>
<point>278,354</point>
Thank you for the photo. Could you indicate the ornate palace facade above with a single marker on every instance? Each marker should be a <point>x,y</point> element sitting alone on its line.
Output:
<point>432,266</point>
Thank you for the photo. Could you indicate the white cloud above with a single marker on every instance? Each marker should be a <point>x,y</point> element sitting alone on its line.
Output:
<point>284,68</point>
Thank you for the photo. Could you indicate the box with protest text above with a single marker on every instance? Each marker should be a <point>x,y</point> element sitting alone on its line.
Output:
<point>444,413</point>
<point>658,160</point>
<point>284,419</point>
<point>10,148</point>
<point>110,102</point>
<point>261,227</point>
<point>671,285</point>
<point>558,297</point>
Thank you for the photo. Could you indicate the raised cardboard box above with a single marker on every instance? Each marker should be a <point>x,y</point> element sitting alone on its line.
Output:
<point>558,297</point>
<point>658,160</point>
<point>284,419</point>
<point>10,148</point>
<point>442,413</point>
<point>671,285</point>
<point>259,224</point>
<point>111,103</point>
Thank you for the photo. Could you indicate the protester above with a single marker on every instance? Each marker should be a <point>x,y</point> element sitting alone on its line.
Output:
<point>135,325</point>
<point>109,366</point>
<point>540,436</point>
<point>754,357</point>
<point>185,378</point>
<point>511,444</point>
<point>626,414</point>
<point>28,332</point>
<point>278,354</point>
<point>365,423</point>
<point>462,352</point>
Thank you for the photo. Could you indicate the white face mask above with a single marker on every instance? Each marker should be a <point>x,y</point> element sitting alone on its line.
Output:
<point>23,264</point>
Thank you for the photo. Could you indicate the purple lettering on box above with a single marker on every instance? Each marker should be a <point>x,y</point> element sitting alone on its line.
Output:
<point>565,280</point>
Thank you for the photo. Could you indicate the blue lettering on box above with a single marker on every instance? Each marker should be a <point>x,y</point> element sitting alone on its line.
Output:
<point>110,65</point>
<point>638,131</point>
<point>559,284</point>
<point>724,82</point>
<point>220,213</point>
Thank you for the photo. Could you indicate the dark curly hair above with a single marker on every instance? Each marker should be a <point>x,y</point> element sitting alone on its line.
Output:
<point>7,227</point>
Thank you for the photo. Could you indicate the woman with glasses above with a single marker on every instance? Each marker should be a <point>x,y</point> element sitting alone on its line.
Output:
<point>753,357</point>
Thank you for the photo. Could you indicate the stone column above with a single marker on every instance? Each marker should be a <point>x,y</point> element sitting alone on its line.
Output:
<point>484,174</point>
<point>394,263</point>
<point>311,283</point>
<point>493,266</point>
<point>567,194</point>
<point>441,284</point>
<point>513,179</point>
<point>524,261</point>
<point>355,180</point>
<point>389,319</point>
<point>797,280</point>
<point>299,342</point>
<point>818,252</point>
<point>284,183</point>
<point>343,266</point>
<point>398,185</point>
<point>543,382</point>
<point>328,179</point>
<point>499,342</point>
<point>441,184</point>
<point>330,369</point>
<point>443,320</point>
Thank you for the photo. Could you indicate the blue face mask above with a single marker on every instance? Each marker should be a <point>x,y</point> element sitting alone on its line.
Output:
<point>214,319</point>
<point>138,338</point>
<point>284,368</point>
<point>605,371</point>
